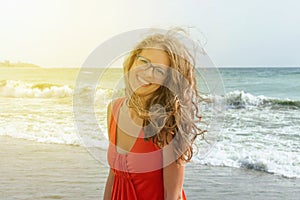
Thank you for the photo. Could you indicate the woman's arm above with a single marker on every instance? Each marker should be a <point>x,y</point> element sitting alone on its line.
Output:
<point>110,178</point>
<point>173,175</point>
<point>109,185</point>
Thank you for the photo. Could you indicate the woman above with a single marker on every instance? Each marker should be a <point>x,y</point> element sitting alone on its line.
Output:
<point>152,129</point>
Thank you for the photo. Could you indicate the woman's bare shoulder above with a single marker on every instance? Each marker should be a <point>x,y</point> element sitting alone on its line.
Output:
<point>109,109</point>
<point>112,102</point>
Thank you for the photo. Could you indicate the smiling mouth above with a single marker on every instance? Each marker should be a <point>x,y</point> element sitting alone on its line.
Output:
<point>144,82</point>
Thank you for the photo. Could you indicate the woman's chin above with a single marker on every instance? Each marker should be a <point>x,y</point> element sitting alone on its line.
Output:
<point>146,90</point>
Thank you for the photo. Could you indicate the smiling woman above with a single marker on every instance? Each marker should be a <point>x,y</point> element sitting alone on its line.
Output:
<point>152,128</point>
<point>148,71</point>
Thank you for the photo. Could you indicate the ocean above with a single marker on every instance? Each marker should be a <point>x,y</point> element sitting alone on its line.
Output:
<point>260,132</point>
<point>262,121</point>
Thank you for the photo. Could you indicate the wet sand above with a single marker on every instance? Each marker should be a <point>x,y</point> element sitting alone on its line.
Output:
<point>32,170</point>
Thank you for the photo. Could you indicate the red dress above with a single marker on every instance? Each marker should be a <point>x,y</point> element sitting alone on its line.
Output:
<point>138,175</point>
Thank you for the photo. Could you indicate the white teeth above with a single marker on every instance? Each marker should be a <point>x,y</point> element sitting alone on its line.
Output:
<point>142,80</point>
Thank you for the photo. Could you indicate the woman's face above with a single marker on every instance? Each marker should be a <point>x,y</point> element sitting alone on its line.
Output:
<point>148,71</point>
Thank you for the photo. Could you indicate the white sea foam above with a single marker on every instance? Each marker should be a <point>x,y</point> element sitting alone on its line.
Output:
<point>255,136</point>
<point>19,89</point>
<point>241,99</point>
<point>265,140</point>
<point>265,160</point>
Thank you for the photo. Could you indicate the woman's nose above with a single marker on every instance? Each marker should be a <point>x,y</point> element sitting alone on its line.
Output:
<point>148,72</point>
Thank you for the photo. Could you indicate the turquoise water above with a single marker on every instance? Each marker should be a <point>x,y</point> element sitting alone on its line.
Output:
<point>261,120</point>
<point>281,83</point>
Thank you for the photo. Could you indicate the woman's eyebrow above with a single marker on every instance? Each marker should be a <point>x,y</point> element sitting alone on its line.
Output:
<point>145,58</point>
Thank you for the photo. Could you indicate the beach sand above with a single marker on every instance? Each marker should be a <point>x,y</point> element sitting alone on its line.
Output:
<point>32,170</point>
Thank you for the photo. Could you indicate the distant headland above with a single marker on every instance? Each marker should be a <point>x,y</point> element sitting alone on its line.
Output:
<point>7,63</point>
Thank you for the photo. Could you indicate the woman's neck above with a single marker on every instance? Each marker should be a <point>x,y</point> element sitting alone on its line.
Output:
<point>132,114</point>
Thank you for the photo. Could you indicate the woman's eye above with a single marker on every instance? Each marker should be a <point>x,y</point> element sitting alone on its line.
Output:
<point>160,71</point>
<point>142,60</point>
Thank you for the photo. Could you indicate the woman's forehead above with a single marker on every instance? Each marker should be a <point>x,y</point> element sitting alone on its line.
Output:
<point>156,55</point>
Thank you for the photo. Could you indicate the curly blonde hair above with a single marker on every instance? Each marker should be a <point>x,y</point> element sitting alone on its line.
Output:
<point>178,96</point>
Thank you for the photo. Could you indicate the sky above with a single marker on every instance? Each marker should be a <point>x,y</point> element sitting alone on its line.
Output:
<point>62,33</point>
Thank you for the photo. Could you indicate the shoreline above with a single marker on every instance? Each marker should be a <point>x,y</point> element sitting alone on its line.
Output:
<point>32,170</point>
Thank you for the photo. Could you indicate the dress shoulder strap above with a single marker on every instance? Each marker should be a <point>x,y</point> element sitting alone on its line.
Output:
<point>116,104</point>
